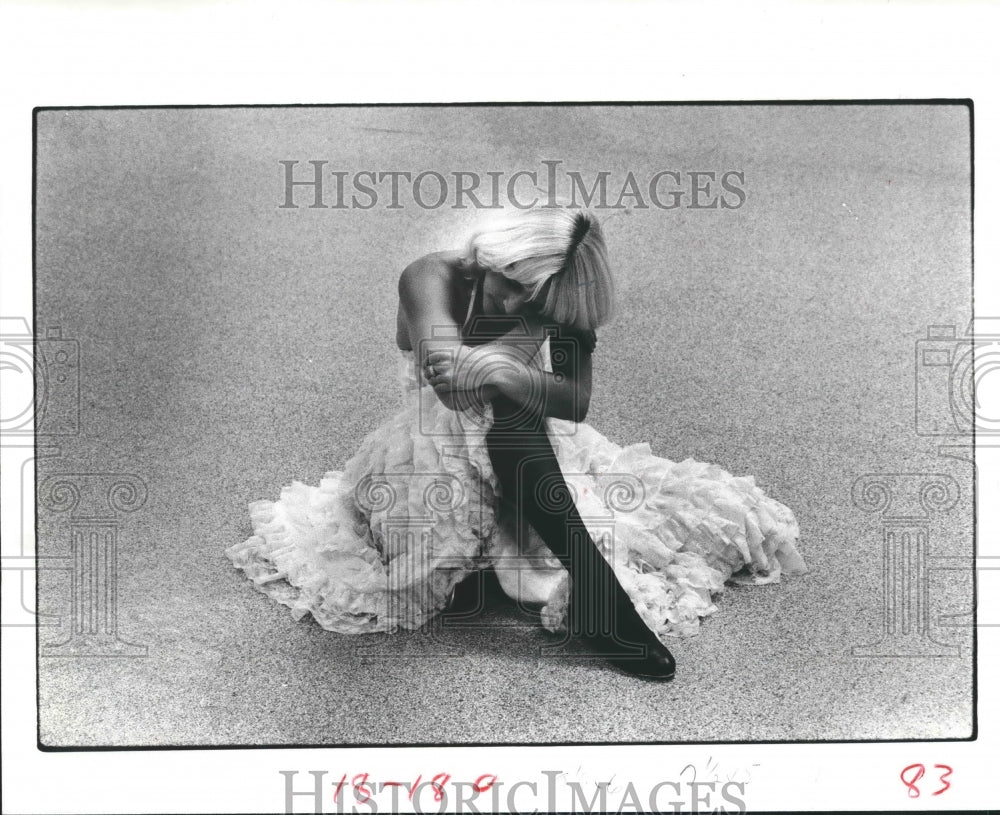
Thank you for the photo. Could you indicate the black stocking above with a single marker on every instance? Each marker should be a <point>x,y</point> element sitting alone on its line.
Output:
<point>535,490</point>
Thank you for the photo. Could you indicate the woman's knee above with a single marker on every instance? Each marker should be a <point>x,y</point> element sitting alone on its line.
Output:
<point>522,459</point>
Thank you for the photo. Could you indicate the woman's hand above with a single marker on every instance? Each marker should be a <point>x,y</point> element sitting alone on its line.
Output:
<point>463,375</point>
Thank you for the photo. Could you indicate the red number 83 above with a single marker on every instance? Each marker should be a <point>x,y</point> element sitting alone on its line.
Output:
<point>912,774</point>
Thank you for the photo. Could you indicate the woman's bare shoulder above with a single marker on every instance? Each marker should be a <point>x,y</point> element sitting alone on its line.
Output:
<point>436,264</point>
<point>427,294</point>
<point>429,273</point>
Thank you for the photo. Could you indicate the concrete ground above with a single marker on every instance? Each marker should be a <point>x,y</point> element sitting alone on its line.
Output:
<point>229,346</point>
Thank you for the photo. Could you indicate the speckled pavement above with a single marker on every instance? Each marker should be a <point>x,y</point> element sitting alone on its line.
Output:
<point>229,346</point>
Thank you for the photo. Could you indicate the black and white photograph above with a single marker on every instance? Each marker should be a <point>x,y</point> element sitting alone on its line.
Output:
<point>506,424</point>
<point>441,430</point>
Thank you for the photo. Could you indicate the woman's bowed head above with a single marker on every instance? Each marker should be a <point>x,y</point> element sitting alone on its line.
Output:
<point>556,258</point>
<point>545,268</point>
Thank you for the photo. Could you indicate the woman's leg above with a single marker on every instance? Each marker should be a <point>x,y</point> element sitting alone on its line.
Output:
<point>599,611</point>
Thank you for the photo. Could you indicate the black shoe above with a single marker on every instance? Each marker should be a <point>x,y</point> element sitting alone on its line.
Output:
<point>631,647</point>
<point>602,614</point>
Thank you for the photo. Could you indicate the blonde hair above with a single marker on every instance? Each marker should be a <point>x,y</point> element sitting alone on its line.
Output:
<point>562,248</point>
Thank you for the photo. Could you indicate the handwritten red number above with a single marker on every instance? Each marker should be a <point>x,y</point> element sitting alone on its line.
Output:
<point>912,774</point>
<point>437,784</point>
<point>416,784</point>
<point>484,782</point>
<point>911,783</point>
<point>336,792</point>
<point>943,778</point>
<point>361,788</point>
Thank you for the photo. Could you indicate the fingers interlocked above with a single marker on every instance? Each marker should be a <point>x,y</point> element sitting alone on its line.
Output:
<point>439,368</point>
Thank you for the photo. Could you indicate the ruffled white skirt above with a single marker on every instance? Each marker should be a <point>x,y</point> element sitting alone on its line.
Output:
<point>379,545</point>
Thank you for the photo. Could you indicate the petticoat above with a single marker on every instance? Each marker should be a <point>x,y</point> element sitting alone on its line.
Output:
<point>379,545</point>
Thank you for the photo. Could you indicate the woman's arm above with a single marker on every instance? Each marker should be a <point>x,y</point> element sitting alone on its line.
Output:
<point>425,316</point>
<point>562,394</point>
<point>504,367</point>
<point>467,376</point>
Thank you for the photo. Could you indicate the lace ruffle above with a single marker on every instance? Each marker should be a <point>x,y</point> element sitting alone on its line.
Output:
<point>380,545</point>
